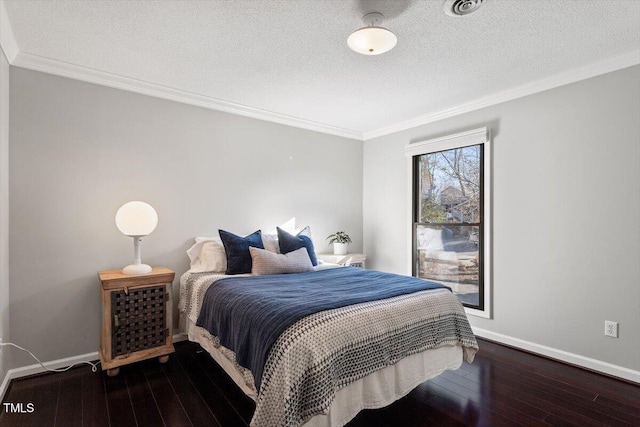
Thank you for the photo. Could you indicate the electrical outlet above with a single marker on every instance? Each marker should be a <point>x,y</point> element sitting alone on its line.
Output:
<point>611,328</point>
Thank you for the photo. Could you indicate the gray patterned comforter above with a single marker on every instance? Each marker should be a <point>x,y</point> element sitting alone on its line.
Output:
<point>326,351</point>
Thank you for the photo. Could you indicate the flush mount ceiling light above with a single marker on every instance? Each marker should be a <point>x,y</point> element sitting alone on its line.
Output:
<point>458,8</point>
<point>372,39</point>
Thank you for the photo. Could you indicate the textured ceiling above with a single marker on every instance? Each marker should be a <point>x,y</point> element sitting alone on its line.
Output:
<point>291,57</point>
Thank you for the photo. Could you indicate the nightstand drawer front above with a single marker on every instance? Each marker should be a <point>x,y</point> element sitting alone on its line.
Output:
<point>352,260</point>
<point>138,319</point>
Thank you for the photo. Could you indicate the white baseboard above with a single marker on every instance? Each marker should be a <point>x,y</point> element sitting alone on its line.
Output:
<point>55,364</point>
<point>180,337</point>
<point>565,356</point>
<point>37,368</point>
<point>4,385</point>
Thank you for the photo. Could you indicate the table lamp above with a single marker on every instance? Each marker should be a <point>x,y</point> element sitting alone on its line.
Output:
<point>136,219</point>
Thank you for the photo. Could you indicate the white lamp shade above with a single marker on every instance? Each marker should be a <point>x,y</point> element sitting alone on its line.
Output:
<point>372,40</point>
<point>136,219</point>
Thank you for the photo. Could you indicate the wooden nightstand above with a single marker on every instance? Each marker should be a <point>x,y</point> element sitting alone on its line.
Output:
<point>354,260</point>
<point>136,317</point>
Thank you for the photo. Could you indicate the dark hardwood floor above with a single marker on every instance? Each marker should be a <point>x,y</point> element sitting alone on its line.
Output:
<point>502,387</point>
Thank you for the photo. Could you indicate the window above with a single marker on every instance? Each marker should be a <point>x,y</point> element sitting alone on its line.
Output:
<point>450,215</point>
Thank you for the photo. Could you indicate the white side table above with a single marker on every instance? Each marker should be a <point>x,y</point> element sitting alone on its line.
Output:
<point>353,260</point>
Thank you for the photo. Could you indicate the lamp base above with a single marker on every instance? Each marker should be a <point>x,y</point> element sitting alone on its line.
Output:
<point>137,269</point>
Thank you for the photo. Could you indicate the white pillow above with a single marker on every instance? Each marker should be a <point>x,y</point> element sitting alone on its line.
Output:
<point>207,254</point>
<point>270,243</point>
<point>266,262</point>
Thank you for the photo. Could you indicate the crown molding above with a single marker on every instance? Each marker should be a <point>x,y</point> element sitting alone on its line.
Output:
<point>8,42</point>
<point>77,72</point>
<point>571,76</point>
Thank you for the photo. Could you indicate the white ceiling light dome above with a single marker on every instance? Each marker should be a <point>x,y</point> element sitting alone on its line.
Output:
<point>372,39</point>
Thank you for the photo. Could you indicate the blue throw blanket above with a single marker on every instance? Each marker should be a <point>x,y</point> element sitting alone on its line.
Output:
<point>248,314</point>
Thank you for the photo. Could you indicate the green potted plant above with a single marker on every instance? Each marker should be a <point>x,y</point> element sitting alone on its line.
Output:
<point>339,240</point>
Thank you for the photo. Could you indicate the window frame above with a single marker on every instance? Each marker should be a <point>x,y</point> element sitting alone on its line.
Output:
<point>480,136</point>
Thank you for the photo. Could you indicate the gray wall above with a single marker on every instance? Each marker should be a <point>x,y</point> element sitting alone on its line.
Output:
<point>566,202</point>
<point>4,208</point>
<point>79,151</point>
<point>566,213</point>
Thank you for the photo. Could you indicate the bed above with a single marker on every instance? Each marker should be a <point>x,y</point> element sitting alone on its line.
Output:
<point>327,365</point>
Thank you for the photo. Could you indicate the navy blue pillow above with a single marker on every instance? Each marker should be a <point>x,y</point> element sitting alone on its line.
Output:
<point>237,249</point>
<point>289,243</point>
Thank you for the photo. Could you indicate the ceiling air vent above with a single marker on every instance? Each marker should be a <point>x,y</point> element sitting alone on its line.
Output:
<point>461,7</point>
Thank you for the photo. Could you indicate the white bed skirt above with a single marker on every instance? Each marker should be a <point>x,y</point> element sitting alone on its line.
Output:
<point>376,390</point>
